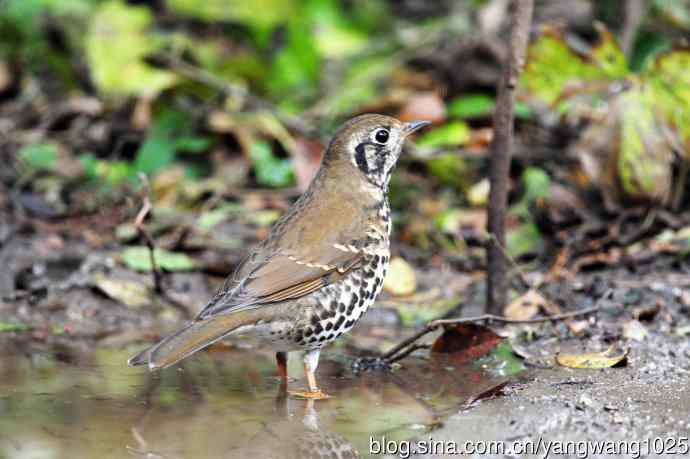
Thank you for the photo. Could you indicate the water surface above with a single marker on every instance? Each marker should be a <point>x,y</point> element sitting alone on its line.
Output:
<point>66,404</point>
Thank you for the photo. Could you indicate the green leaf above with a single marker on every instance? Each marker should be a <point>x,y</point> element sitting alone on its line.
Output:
<point>668,79</point>
<point>448,221</point>
<point>450,169</point>
<point>42,156</point>
<point>257,13</point>
<point>648,45</point>
<point>211,218</point>
<point>522,110</point>
<point>138,259</point>
<point>523,240</point>
<point>116,172</point>
<point>270,170</point>
<point>336,36</point>
<point>644,162</point>
<point>552,65</point>
<point>504,360</point>
<point>265,217</point>
<point>154,154</point>
<point>117,42</point>
<point>297,65</point>
<point>607,56</point>
<point>481,106</point>
<point>113,172</point>
<point>158,149</point>
<point>89,163</point>
<point>192,144</point>
<point>8,327</point>
<point>452,134</point>
<point>536,182</point>
<point>471,106</point>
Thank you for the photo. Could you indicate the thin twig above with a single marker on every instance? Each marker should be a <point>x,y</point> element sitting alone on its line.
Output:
<point>501,149</point>
<point>144,234</point>
<point>396,354</point>
<point>157,274</point>
<point>506,320</point>
<point>407,352</point>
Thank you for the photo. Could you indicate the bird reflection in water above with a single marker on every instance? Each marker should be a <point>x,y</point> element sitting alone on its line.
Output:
<point>294,432</point>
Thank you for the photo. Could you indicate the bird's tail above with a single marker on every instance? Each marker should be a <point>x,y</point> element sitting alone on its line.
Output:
<point>190,339</point>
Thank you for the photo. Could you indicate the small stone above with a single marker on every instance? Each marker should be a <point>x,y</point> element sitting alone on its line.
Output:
<point>635,331</point>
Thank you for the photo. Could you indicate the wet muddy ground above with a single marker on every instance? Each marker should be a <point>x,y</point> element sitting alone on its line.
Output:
<point>647,400</point>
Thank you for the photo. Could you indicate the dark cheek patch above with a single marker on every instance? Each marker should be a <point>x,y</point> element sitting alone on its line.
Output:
<point>361,157</point>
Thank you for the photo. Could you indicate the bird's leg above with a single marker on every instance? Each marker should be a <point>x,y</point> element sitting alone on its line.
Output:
<point>281,361</point>
<point>311,361</point>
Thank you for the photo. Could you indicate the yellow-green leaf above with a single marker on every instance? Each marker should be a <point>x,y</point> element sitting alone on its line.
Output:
<point>261,13</point>
<point>401,279</point>
<point>608,56</point>
<point>523,240</point>
<point>552,65</point>
<point>669,81</point>
<point>138,259</point>
<point>605,359</point>
<point>644,162</point>
<point>117,42</point>
<point>451,134</point>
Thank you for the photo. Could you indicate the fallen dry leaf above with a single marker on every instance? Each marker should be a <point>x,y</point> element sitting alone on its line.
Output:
<point>478,194</point>
<point>130,293</point>
<point>465,342</point>
<point>401,279</point>
<point>424,106</point>
<point>306,159</point>
<point>634,330</point>
<point>525,306</point>
<point>605,359</point>
<point>480,139</point>
<point>6,76</point>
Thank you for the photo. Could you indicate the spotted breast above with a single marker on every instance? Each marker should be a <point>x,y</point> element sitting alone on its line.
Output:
<point>336,308</point>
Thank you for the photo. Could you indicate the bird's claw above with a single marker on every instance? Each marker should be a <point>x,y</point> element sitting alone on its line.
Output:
<point>309,395</point>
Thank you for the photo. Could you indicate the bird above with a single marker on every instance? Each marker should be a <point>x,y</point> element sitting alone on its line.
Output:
<point>321,265</point>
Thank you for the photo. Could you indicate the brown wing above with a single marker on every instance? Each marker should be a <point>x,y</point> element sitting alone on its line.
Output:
<point>281,277</point>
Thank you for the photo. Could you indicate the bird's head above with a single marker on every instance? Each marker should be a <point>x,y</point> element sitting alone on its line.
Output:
<point>372,145</point>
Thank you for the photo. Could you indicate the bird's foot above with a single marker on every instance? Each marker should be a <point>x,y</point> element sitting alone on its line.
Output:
<point>309,394</point>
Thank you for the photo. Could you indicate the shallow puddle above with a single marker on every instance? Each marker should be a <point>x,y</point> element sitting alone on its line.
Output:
<point>219,405</point>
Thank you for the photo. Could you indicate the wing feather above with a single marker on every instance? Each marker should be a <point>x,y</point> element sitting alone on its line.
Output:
<point>282,277</point>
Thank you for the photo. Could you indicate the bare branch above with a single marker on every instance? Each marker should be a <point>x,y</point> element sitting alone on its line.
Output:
<point>501,146</point>
<point>409,345</point>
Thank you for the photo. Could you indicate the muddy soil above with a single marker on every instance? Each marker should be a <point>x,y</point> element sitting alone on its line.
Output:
<point>647,400</point>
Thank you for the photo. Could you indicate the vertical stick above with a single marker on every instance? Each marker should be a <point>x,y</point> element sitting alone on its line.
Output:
<point>633,14</point>
<point>497,288</point>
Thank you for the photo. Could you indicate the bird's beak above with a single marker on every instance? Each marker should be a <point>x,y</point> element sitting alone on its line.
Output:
<point>414,126</point>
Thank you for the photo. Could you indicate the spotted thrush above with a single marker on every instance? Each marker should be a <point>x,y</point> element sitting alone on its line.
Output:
<point>322,264</point>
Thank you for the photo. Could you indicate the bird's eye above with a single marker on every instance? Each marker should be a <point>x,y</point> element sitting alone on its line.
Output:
<point>381,136</point>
